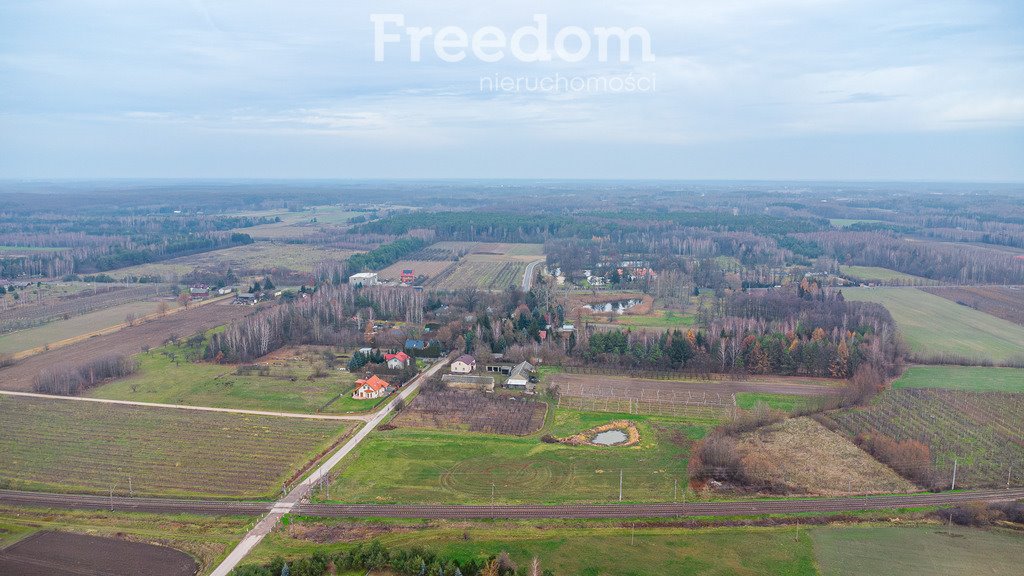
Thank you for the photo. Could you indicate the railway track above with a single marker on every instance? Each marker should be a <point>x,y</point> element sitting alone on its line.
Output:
<point>666,510</point>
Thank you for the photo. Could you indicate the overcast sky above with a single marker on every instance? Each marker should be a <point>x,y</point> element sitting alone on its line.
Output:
<point>742,89</point>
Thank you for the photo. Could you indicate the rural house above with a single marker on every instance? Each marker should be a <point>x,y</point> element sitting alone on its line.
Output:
<point>519,378</point>
<point>397,361</point>
<point>371,388</point>
<point>464,364</point>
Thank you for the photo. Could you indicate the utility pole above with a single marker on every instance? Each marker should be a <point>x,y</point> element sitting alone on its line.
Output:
<point>632,534</point>
<point>620,484</point>
<point>492,493</point>
<point>1008,470</point>
<point>953,486</point>
<point>131,494</point>
<point>675,490</point>
<point>111,498</point>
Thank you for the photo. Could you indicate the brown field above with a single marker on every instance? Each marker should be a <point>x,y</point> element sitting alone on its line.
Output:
<point>428,268</point>
<point>699,392</point>
<point>67,554</point>
<point>494,275</point>
<point>800,456</point>
<point>258,258</point>
<point>445,409</point>
<point>125,341</point>
<point>1006,302</point>
<point>494,251</point>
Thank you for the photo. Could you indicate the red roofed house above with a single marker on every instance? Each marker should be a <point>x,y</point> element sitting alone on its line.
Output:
<point>371,388</point>
<point>397,361</point>
<point>407,276</point>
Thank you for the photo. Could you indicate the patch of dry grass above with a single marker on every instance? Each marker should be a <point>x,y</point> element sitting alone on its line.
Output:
<point>804,457</point>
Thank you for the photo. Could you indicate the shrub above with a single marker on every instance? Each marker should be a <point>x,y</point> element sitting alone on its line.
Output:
<point>69,381</point>
<point>909,458</point>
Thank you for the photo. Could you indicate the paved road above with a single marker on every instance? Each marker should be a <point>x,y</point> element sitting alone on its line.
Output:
<point>528,275</point>
<point>360,418</point>
<point>289,502</point>
<point>667,510</point>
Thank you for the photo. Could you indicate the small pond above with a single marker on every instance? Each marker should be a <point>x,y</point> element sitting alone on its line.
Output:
<point>610,438</point>
<point>616,306</point>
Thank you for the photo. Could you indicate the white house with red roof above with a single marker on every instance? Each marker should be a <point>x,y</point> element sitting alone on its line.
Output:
<point>398,361</point>
<point>371,388</point>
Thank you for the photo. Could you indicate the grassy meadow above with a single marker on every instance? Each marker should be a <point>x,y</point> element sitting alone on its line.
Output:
<point>877,274</point>
<point>935,326</point>
<point>166,377</point>
<point>916,551</point>
<point>970,378</point>
<point>430,466</point>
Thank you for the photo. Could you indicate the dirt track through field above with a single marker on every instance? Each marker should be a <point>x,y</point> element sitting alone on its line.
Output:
<point>685,391</point>
<point>666,510</point>
<point>126,341</point>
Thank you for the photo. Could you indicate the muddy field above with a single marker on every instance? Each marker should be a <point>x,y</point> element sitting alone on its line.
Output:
<point>693,392</point>
<point>445,409</point>
<point>67,554</point>
<point>126,341</point>
<point>1006,302</point>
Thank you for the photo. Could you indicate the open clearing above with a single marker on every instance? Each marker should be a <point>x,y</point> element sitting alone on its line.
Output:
<point>286,383</point>
<point>253,259</point>
<point>424,466</point>
<point>1006,302</point>
<point>493,250</point>
<point>69,554</point>
<point>297,225</point>
<point>883,275</point>
<point>805,458</point>
<point>205,538</point>
<point>75,326</point>
<point>125,341</point>
<point>970,378</point>
<point>428,268</point>
<point>58,445</point>
<point>590,551</point>
<point>934,326</point>
<point>485,275</point>
<point>620,393</point>
<point>443,409</point>
<point>979,430</point>
<point>916,551</point>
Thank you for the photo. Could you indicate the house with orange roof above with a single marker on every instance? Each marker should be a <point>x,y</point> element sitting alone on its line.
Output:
<point>371,388</point>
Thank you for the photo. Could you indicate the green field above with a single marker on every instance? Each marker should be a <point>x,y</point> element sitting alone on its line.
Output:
<point>885,275</point>
<point>596,551</point>
<point>659,319</point>
<point>784,402</point>
<point>74,326</point>
<point>916,551</point>
<point>935,326</point>
<point>972,378</point>
<point>287,387</point>
<point>74,446</point>
<point>427,466</point>
<point>846,222</point>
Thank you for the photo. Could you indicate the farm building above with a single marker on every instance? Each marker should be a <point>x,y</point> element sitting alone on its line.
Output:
<point>464,364</point>
<point>463,381</point>
<point>519,378</point>
<point>363,279</point>
<point>247,298</point>
<point>371,388</point>
<point>397,361</point>
<point>225,290</point>
<point>407,276</point>
<point>500,368</point>
<point>412,344</point>
<point>199,292</point>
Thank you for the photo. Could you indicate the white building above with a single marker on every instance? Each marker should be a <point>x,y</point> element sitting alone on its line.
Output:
<point>464,364</point>
<point>364,279</point>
